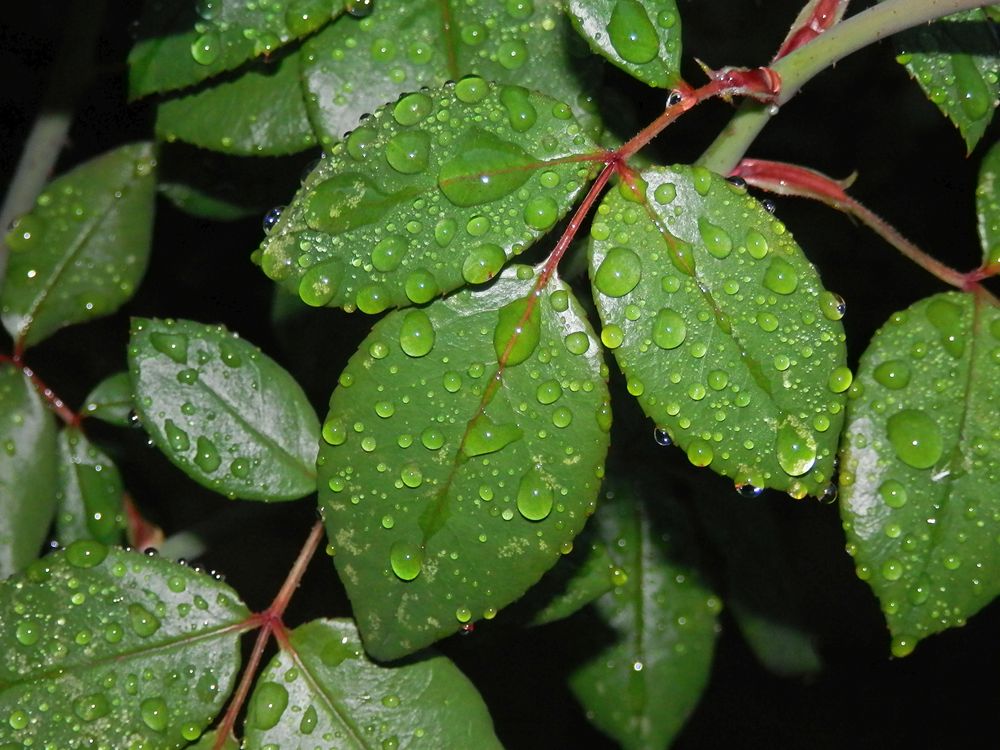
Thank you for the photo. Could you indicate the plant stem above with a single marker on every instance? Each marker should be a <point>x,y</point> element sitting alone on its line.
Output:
<point>796,69</point>
<point>69,77</point>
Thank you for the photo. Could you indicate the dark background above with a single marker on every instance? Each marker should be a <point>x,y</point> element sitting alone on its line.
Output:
<point>863,115</point>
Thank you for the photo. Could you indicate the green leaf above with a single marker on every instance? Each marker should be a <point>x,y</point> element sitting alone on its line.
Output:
<point>223,412</point>
<point>207,742</point>
<point>921,464</point>
<point>350,68</point>
<point>586,574</point>
<point>640,689</point>
<point>956,61</point>
<point>114,649</point>
<point>259,113</point>
<point>642,37</point>
<point>434,192</point>
<point>181,43</point>
<point>81,252</point>
<point>89,498</point>
<point>321,685</point>
<point>111,400</point>
<point>722,328</point>
<point>447,492</point>
<point>988,205</point>
<point>27,471</point>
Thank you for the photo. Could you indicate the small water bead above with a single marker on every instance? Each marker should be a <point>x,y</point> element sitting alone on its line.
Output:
<point>406,560</point>
<point>28,633</point>
<point>619,272</point>
<point>144,623</point>
<point>632,34</point>
<point>768,322</point>
<point>92,707</point>
<point>662,437</point>
<point>915,437</point>
<point>700,453</point>
<point>893,374</point>
<point>534,496</point>
<point>717,240</point>
<point>452,381</point>
<point>432,438</point>
<point>483,263</point>
<point>718,379</point>
<point>562,417</point>
<point>473,34</point>
<point>385,409</point>
<point>749,490</point>
<point>893,493</point>
<point>408,152</point>
<point>780,276</point>
<point>795,449</point>
<point>840,380</point>
<point>892,570</point>
<point>388,522</point>
<point>577,342</point>
<point>512,54</point>
<point>388,253</point>
<point>271,218</point>
<point>206,49</point>
<point>665,193</point>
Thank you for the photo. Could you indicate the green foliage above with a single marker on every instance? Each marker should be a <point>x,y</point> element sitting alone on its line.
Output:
<point>466,471</point>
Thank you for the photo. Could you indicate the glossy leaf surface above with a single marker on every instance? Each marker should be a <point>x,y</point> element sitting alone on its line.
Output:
<point>988,205</point>
<point>111,400</point>
<point>642,37</point>
<point>226,414</point>
<point>353,66</point>
<point>112,648</point>
<point>81,252</point>
<point>90,492</point>
<point>322,690</point>
<point>259,113</point>
<point>722,328</point>
<point>27,470</point>
<point>181,43</point>
<point>921,463</point>
<point>434,192</point>
<point>591,574</point>
<point>956,61</point>
<point>641,688</point>
<point>447,492</point>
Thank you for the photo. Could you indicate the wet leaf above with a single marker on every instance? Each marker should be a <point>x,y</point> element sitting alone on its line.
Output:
<point>207,742</point>
<point>322,685</point>
<point>641,689</point>
<point>116,649</point>
<point>259,113</point>
<point>921,464</point>
<point>988,205</point>
<point>181,43</point>
<point>27,471</point>
<point>82,250</point>
<point>642,37</point>
<point>111,400</point>
<point>447,492</point>
<point>437,191</point>
<point>956,61</point>
<point>722,328</point>
<point>585,574</point>
<point>226,414</point>
<point>352,67</point>
<point>89,498</point>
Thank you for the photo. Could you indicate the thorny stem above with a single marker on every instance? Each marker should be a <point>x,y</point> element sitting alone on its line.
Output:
<point>797,68</point>
<point>270,623</point>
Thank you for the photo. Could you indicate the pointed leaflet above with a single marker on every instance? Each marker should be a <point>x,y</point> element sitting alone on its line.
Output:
<point>988,205</point>
<point>226,414</point>
<point>956,61</point>
<point>448,492</point>
<point>181,43</point>
<point>642,37</point>
<point>641,689</point>
<point>27,470</point>
<point>921,464</point>
<point>585,574</point>
<point>439,190</point>
<point>81,252</point>
<point>90,494</point>
<point>353,66</point>
<point>722,328</point>
<point>110,401</point>
<point>108,648</point>
<point>260,113</point>
<point>322,686</point>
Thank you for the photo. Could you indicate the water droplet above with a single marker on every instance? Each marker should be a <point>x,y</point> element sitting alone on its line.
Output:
<point>893,493</point>
<point>334,431</point>
<point>28,633</point>
<point>309,720</point>
<point>483,263</point>
<point>92,707</point>
<point>612,336</point>
<point>515,335</point>
<point>662,436</point>
<point>700,453</point>
<point>409,151</point>
<point>619,272</point>
<point>795,449</point>
<point>360,142</point>
<point>548,392</point>
<point>348,201</point>
<point>229,353</point>
<point>206,49</point>
<point>892,570</point>
<point>577,342</point>
<point>749,490</point>
<point>946,317</point>
<point>406,559</point>
<point>25,232</point>
<point>485,436</point>
<point>756,245</point>
<point>893,374</point>
<point>915,437</point>
<point>717,240</point>
<point>832,305</point>
<point>484,169</point>
<point>271,218</point>
<point>540,213</point>
<point>701,178</point>
<point>359,8</point>
<point>974,94</point>
<point>372,299</point>
<point>177,438</point>
<point>269,703</point>
<point>632,34</point>
<point>665,193</point>
<point>669,329</point>
<point>432,439</point>
<point>86,553</point>
<point>534,496</point>
<point>780,276</point>
<point>840,380</point>
<point>143,622</point>
<point>421,286</point>
<point>471,89</point>
<point>520,112</point>
<point>411,476</point>
<point>174,345</point>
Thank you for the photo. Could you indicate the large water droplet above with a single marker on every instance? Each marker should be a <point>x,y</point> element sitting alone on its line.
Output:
<point>416,334</point>
<point>520,112</point>
<point>700,453</point>
<point>206,49</point>
<point>484,169</point>
<point>174,345</point>
<point>832,305</point>
<point>143,622</point>
<point>518,332</point>
<point>207,455</point>
<point>421,286</point>
<point>795,448</point>
<point>534,496</point>
<point>92,707</point>
<point>632,34</point>
<point>915,437</point>
<point>388,253</point>
<point>86,553</point>
<point>893,493</point>
<point>177,438</point>
<point>540,212</point>
<point>406,559</point>
<point>717,240</point>
<point>483,263</point>
<point>269,703</point>
<point>348,201</point>
<point>893,374</point>
<point>320,283</point>
<point>946,317</point>
<point>408,152</point>
<point>780,276</point>
<point>154,714</point>
<point>619,272</point>
<point>485,436</point>
<point>669,329</point>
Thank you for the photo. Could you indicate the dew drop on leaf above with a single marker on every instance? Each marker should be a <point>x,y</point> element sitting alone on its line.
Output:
<point>206,49</point>
<point>534,496</point>
<point>406,559</point>
<point>173,345</point>
<point>915,437</point>
<point>632,34</point>
<point>520,112</point>
<point>154,714</point>
<point>485,436</point>
<point>780,276</point>
<point>207,456</point>
<point>795,449</point>
<point>269,703</point>
<point>416,334</point>
<point>619,272</point>
<point>485,167</point>
<point>518,331</point>
<point>669,329</point>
